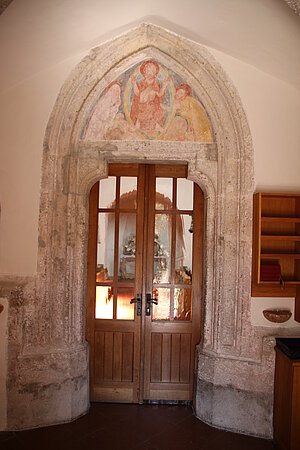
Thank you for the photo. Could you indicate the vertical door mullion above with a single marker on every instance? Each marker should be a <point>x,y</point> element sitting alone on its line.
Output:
<point>148,268</point>
<point>173,248</point>
<point>140,226</point>
<point>116,252</point>
<point>149,247</point>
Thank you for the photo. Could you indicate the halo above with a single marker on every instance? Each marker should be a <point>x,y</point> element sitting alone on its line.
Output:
<point>144,65</point>
<point>185,87</point>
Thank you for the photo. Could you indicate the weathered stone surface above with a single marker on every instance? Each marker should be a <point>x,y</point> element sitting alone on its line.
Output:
<point>295,5</point>
<point>233,409</point>
<point>47,355</point>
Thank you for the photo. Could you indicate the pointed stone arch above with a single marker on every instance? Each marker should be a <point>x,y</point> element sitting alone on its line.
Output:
<point>54,331</point>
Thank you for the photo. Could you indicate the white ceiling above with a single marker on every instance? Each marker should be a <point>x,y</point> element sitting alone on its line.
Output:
<point>38,34</point>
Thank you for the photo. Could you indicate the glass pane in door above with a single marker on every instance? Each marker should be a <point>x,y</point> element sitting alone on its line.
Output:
<point>161,311</point>
<point>127,237</point>
<point>104,302</point>
<point>105,247</point>
<point>182,304</point>
<point>107,192</point>
<point>185,194</point>
<point>162,248</point>
<point>163,197</point>
<point>125,310</point>
<point>184,249</point>
<point>128,192</point>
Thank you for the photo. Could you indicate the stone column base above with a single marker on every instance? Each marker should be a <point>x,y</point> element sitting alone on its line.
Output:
<point>48,388</point>
<point>227,405</point>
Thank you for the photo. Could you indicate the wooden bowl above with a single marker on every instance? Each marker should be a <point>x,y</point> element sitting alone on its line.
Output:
<point>277,315</point>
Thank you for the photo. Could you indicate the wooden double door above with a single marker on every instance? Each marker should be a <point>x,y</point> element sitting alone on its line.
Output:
<point>144,283</point>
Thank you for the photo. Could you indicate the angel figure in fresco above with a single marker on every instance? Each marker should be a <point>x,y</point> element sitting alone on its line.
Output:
<point>193,112</point>
<point>104,113</point>
<point>146,112</point>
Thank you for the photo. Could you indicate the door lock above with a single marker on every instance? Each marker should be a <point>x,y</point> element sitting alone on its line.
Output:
<point>138,301</point>
<point>150,300</point>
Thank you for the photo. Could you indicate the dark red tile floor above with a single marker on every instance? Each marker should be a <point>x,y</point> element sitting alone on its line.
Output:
<point>134,427</point>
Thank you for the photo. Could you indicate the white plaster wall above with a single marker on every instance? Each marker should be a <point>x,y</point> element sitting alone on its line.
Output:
<point>24,113</point>
<point>40,33</point>
<point>273,110</point>
<point>259,304</point>
<point>3,362</point>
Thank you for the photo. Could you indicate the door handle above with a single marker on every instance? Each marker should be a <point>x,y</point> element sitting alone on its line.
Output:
<point>138,301</point>
<point>149,301</point>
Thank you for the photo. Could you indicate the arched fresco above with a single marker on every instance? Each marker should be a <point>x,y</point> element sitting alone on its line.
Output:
<point>148,101</point>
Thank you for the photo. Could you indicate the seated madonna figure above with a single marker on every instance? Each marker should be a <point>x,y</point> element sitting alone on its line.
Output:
<point>146,112</point>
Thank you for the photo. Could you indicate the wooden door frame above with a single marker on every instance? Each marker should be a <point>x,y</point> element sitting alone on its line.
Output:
<point>198,214</point>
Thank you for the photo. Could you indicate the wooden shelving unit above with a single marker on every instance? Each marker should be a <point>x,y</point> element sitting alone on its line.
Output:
<point>276,239</point>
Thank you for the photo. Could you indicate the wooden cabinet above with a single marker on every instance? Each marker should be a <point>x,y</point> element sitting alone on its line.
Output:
<point>276,240</point>
<point>286,416</point>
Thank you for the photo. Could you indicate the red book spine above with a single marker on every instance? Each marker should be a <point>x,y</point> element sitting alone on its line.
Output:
<point>270,272</point>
